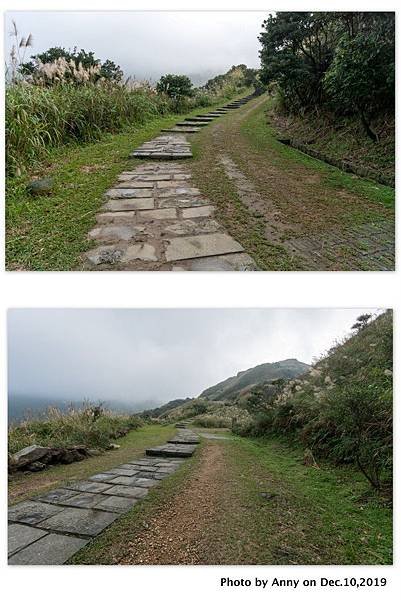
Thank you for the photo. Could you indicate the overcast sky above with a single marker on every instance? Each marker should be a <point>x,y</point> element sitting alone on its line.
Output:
<point>153,356</point>
<point>149,44</point>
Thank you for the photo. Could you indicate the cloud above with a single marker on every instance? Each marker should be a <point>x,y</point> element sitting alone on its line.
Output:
<point>148,357</point>
<point>149,44</point>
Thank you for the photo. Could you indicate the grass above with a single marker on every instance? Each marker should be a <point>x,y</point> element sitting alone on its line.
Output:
<point>81,425</point>
<point>342,138</point>
<point>310,516</point>
<point>244,225</point>
<point>49,232</point>
<point>288,210</point>
<point>22,486</point>
<point>262,137</point>
<point>313,516</point>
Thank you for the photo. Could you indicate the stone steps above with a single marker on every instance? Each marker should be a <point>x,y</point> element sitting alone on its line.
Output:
<point>181,130</point>
<point>191,123</point>
<point>155,218</point>
<point>201,119</point>
<point>172,450</point>
<point>166,147</point>
<point>49,529</point>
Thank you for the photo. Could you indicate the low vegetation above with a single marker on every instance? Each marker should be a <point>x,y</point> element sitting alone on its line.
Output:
<point>333,78</point>
<point>342,410</point>
<point>61,97</point>
<point>341,61</point>
<point>89,425</point>
<point>22,485</point>
<point>260,505</point>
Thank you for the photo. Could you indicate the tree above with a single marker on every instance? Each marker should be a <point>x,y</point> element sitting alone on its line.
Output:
<point>175,86</point>
<point>296,52</point>
<point>361,77</point>
<point>109,70</point>
<point>341,61</point>
<point>361,321</point>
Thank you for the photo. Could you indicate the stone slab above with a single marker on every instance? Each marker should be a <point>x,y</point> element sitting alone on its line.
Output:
<point>93,487</point>
<point>123,480</point>
<point>31,512</point>
<point>80,521</point>
<point>190,123</point>
<point>127,472</point>
<point>114,233</point>
<point>178,190</point>
<point>189,227</point>
<point>144,461</point>
<point>198,211</point>
<point>148,468</point>
<point>102,476</point>
<point>53,549</point>
<point>227,262</point>
<point>200,119</point>
<point>144,482</point>
<point>117,504</point>
<point>184,441</point>
<point>145,252</point>
<point>130,204</point>
<point>127,491</point>
<point>183,201</point>
<point>57,496</point>
<point>183,129</point>
<point>104,255</point>
<point>158,214</point>
<point>83,500</point>
<point>128,193</point>
<point>137,183</point>
<point>156,177</point>
<point>181,450</point>
<point>201,245</point>
<point>20,536</point>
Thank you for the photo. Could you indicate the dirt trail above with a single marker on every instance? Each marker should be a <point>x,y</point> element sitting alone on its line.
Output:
<point>315,223</point>
<point>179,533</point>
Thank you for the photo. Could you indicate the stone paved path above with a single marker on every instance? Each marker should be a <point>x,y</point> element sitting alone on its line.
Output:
<point>51,528</point>
<point>154,217</point>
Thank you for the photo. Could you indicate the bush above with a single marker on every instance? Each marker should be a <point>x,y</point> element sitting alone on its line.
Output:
<point>212,422</point>
<point>342,61</point>
<point>175,86</point>
<point>41,118</point>
<point>78,426</point>
<point>342,409</point>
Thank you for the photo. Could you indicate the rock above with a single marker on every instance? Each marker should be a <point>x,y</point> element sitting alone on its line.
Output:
<point>12,463</point>
<point>268,495</point>
<point>40,187</point>
<point>113,446</point>
<point>94,452</point>
<point>36,466</point>
<point>30,454</point>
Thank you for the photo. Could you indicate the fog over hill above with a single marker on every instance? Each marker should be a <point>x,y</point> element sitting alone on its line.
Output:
<point>148,44</point>
<point>145,358</point>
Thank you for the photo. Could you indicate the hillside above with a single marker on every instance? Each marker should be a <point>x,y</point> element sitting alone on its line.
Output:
<point>218,405</point>
<point>165,408</point>
<point>231,387</point>
<point>341,410</point>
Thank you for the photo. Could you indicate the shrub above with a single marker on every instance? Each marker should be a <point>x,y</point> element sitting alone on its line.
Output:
<point>212,422</point>
<point>342,61</point>
<point>175,86</point>
<point>77,426</point>
<point>342,409</point>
